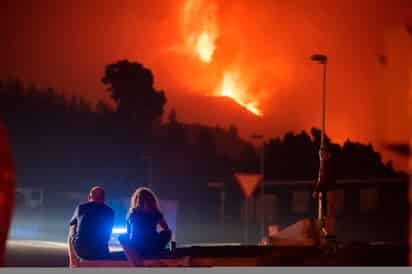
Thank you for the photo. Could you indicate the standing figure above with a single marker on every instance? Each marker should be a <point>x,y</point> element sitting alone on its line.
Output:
<point>7,189</point>
<point>325,190</point>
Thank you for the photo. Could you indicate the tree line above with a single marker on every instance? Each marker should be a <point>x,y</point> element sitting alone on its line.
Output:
<point>134,118</point>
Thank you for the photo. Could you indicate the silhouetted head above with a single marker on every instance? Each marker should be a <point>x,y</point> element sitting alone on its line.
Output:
<point>144,198</point>
<point>97,194</point>
<point>325,153</point>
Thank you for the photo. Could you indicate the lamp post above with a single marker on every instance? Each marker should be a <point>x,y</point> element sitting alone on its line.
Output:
<point>322,59</point>
<point>262,188</point>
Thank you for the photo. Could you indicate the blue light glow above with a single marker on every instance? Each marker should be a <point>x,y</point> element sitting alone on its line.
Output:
<point>23,232</point>
<point>119,230</point>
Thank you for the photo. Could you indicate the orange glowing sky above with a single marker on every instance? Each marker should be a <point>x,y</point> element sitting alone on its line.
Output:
<point>256,50</point>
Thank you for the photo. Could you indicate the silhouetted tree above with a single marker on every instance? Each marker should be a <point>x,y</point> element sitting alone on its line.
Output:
<point>175,130</point>
<point>103,108</point>
<point>131,87</point>
<point>172,119</point>
<point>316,134</point>
<point>84,106</point>
<point>233,132</point>
<point>296,157</point>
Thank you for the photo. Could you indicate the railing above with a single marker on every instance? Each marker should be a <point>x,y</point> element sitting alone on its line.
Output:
<point>339,181</point>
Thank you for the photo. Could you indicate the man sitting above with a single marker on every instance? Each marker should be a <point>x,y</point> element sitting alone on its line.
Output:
<point>91,228</point>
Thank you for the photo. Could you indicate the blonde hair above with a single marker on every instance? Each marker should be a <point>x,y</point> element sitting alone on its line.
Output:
<point>145,198</point>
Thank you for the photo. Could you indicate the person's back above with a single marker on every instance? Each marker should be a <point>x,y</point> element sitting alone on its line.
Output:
<point>93,222</point>
<point>143,218</point>
<point>326,185</point>
<point>142,227</point>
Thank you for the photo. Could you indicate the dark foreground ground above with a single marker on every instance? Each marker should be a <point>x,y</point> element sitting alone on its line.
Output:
<point>50,254</point>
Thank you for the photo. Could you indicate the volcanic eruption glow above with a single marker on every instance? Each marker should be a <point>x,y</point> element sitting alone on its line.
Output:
<point>231,88</point>
<point>205,47</point>
<point>202,31</point>
<point>200,28</point>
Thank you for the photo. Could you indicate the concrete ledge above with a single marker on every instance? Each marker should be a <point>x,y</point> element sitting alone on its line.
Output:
<point>144,263</point>
<point>101,263</point>
<point>212,262</point>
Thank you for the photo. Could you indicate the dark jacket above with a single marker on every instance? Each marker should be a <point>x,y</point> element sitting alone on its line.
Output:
<point>142,226</point>
<point>326,180</point>
<point>94,223</point>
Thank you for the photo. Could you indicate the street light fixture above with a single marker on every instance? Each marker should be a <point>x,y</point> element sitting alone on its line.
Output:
<point>320,58</point>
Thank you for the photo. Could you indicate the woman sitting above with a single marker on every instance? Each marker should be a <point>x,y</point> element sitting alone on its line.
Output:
<point>143,218</point>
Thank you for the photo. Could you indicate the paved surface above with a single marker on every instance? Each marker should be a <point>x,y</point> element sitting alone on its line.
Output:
<point>51,254</point>
<point>36,254</point>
